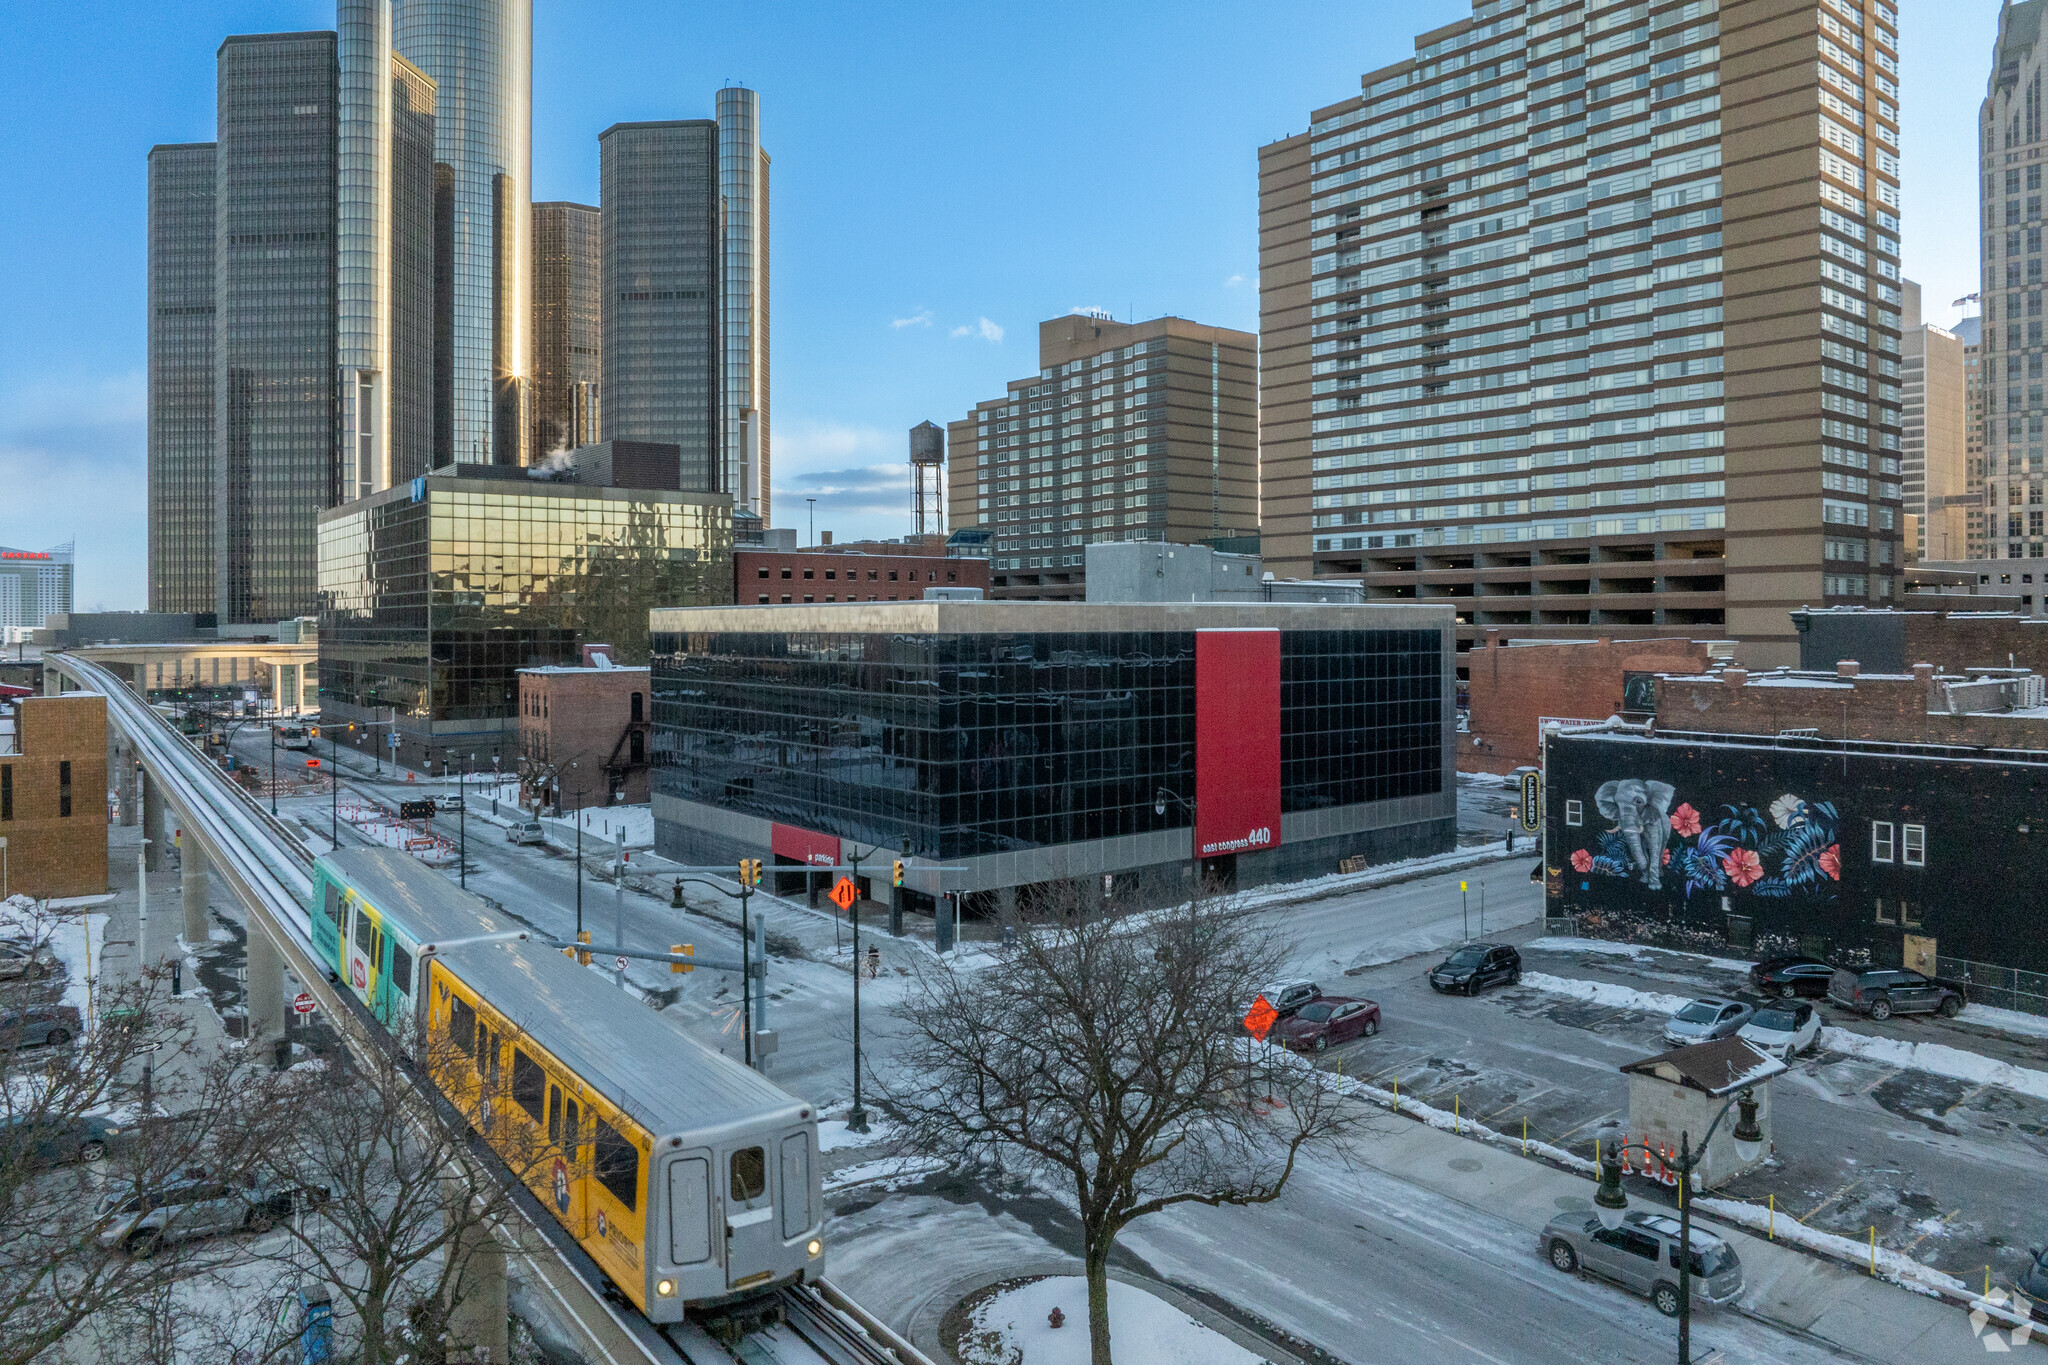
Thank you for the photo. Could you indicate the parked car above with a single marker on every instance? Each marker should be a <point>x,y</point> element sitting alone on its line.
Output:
<point>1476,966</point>
<point>38,1025</point>
<point>526,832</point>
<point>1329,1019</point>
<point>139,1221</point>
<point>2034,1281</point>
<point>1289,996</point>
<point>55,1140</point>
<point>448,801</point>
<point>1642,1255</point>
<point>1881,992</point>
<point>19,958</point>
<point>1783,1029</point>
<point>1806,977</point>
<point>1706,1019</point>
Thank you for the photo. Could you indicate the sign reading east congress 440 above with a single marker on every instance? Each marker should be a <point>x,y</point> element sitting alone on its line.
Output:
<point>1237,741</point>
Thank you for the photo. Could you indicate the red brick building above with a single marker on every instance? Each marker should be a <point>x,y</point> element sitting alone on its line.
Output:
<point>1997,708</point>
<point>53,794</point>
<point>583,736</point>
<point>848,574</point>
<point>1515,684</point>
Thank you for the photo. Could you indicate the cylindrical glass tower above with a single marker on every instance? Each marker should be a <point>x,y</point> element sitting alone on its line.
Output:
<point>479,53</point>
<point>743,182</point>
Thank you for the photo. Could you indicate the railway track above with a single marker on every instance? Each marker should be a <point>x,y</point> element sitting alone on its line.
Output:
<point>271,871</point>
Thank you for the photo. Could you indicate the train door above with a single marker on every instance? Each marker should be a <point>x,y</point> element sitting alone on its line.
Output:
<point>399,967</point>
<point>749,1219</point>
<point>363,957</point>
<point>689,1209</point>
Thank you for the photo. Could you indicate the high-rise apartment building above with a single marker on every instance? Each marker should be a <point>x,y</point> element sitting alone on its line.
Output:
<point>274,362</point>
<point>1588,316</point>
<point>1129,431</point>
<point>661,254</point>
<point>1970,331</point>
<point>479,55</point>
<point>1935,467</point>
<point>743,183</point>
<point>384,266</point>
<point>568,326</point>
<point>181,320</point>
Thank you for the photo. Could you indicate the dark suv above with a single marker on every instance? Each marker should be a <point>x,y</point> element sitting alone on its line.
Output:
<point>1881,992</point>
<point>1474,967</point>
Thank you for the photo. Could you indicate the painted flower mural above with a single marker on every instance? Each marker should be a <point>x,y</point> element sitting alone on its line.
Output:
<point>1791,849</point>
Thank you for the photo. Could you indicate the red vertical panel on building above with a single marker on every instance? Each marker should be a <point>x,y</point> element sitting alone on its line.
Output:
<point>806,846</point>
<point>1237,741</point>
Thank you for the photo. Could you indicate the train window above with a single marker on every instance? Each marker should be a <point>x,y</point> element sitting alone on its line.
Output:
<point>554,1114</point>
<point>487,1051</point>
<point>462,1025</point>
<point>615,1162</point>
<point>362,931</point>
<point>333,906</point>
<point>796,1184</point>
<point>749,1173</point>
<point>572,1129</point>
<point>528,1084</point>
<point>401,970</point>
<point>689,1210</point>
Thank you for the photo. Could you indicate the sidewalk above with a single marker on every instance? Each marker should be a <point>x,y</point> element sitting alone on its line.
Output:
<point>1783,1286</point>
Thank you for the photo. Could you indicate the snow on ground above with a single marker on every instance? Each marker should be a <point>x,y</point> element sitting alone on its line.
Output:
<point>600,826</point>
<point>76,937</point>
<point>888,1172</point>
<point>1607,994</point>
<point>1315,888</point>
<point>833,1134</point>
<point>1143,1330</point>
<point>1635,952</point>
<point>2006,1021</point>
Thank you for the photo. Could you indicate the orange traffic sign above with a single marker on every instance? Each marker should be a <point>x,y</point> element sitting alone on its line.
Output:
<point>843,894</point>
<point>1261,1018</point>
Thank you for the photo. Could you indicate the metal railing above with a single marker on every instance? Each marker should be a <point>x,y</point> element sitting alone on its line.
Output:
<point>2005,988</point>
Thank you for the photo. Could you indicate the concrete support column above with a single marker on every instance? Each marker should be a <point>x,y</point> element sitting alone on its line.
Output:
<point>1006,901</point>
<point>127,782</point>
<point>265,991</point>
<point>478,1317</point>
<point>152,822</point>
<point>194,863</point>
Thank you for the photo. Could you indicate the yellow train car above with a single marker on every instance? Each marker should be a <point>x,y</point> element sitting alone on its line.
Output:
<point>691,1180</point>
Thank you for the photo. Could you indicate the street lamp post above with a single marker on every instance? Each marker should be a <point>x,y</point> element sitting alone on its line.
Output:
<point>273,765</point>
<point>1194,850</point>
<point>1611,1203</point>
<point>577,815</point>
<point>462,823</point>
<point>857,1117</point>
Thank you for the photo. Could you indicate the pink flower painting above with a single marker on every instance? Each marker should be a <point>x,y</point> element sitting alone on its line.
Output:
<point>1685,822</point>
<point>1743,866</point>
<point>1831,861</point>
<point>1582,861</point>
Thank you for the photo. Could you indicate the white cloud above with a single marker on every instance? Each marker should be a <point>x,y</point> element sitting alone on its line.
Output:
<point>921,318</point>
<point>72,465</point>
<point>1233,282</point>
<point>986,330</point>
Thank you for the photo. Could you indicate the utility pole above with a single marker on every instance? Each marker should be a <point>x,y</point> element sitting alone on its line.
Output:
<point>619,904</point>
<point>273,766</point>
<point>746,969</point>
<point>856,1117</point>
<point>577,816</point>
<point>462,823</point>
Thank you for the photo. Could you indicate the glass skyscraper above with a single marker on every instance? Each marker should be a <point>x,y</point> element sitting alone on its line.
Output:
<point>568,326</point>
<point>743,181</point>
<point>275,340</point>
<point>181,318</point>
<point>479,54</point>
<point>661,255</point>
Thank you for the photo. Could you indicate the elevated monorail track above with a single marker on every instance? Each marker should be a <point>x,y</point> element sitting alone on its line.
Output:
<point>271,872</point>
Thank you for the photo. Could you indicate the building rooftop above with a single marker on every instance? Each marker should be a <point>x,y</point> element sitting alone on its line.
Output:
<point>936,617</point>
<point>1721,1067</point>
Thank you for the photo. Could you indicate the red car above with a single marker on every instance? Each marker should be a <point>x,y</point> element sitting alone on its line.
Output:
<point>1331,1019</point>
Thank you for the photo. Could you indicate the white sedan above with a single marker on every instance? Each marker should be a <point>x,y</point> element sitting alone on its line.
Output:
<point>1783,1028</point>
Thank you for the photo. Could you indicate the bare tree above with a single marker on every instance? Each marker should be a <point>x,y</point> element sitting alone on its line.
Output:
<point>403,1198</point>
<point>90,1126</point>
<point>1108,1054</point>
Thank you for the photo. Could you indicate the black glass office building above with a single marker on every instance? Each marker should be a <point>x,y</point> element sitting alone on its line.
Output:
<point>436,592</point>
<point>1038,742</point>
<point>661,253</point>
<point>275,178</point>
<point>181,316</point>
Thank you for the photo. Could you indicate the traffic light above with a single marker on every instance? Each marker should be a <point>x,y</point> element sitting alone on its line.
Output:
<point>583,954</point>
<point>757,872</point>
<point>750,872</point>
<point>313,731</point>
<point>897,878</point>
<point>681,950</point>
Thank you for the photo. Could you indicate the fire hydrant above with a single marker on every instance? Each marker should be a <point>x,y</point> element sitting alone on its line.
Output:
<point>1056,1318</point>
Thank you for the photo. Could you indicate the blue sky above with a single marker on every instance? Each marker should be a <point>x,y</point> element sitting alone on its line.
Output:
<point>945,177</point>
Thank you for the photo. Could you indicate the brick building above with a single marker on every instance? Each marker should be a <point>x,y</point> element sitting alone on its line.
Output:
<point>1983,708</point>
<point>53,794</point>
<point>583,734</point>
<point>850,574</point>
<point>1893,641</point>
<point>1514,685</point>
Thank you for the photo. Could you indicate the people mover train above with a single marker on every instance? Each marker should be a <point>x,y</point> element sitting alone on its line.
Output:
<point>691,1180</point>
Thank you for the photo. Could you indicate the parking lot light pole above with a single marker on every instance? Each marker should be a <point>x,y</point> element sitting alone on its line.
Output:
<point>1611,1203</point>
<point>462,823</point>
<point>857,1117</point>
<point>577,816</point>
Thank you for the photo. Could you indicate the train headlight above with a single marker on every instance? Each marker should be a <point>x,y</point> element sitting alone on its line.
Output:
<point>816,1248</point>
<point>665,1288</point>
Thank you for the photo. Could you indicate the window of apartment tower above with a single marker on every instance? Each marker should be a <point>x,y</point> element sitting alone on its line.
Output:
<point>785,573</point>
<point>892,579</point>
<point>764,571</point>
<point>639,703</point>
<point>64,788</point>
<point>831,573</point>
<point>808,573</point>
<point>871,574</point>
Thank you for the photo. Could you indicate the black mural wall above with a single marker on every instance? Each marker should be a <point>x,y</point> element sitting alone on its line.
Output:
<point>1781,850</point>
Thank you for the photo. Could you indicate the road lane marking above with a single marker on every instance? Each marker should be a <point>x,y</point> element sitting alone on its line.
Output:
<point>1809,1215</point>
<point>1558,1141</point>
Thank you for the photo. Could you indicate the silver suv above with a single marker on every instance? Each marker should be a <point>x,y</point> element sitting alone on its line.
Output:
<point>140,1221</point>
<point>526,832</point>
<point>1642,1255</point>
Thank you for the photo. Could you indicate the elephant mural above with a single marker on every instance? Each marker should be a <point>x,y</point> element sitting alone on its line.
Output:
<point>1641,812</point>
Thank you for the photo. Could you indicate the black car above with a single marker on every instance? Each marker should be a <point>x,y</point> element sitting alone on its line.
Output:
<point>1476,966</point>
<point>1881,992</point>
<point>1806,977</point>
